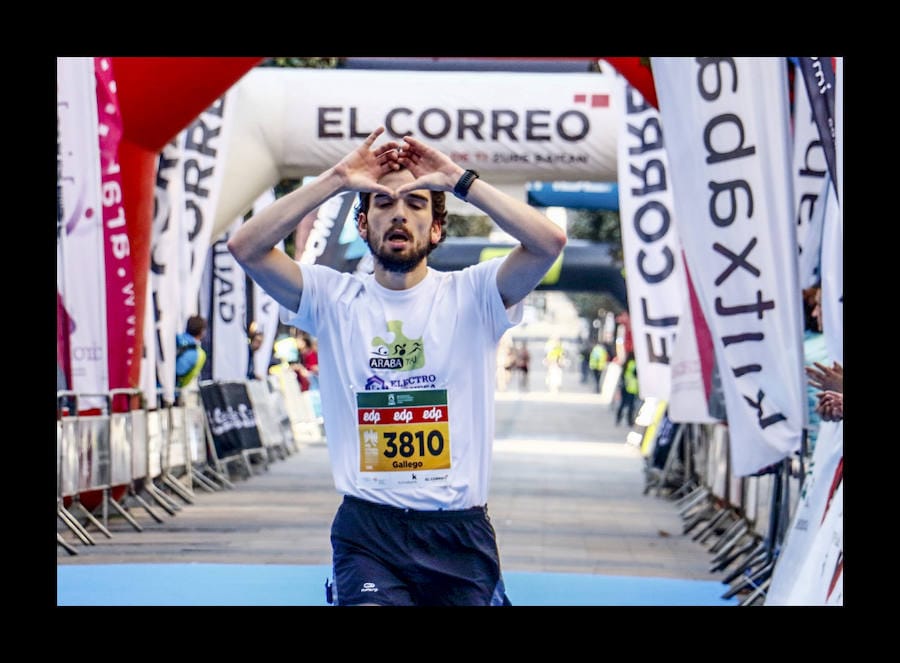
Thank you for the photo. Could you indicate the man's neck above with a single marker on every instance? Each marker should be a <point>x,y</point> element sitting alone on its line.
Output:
<point>401,280</point>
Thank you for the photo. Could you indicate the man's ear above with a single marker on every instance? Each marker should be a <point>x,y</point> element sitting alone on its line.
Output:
<point>362,224</point>
<point>435,231</point>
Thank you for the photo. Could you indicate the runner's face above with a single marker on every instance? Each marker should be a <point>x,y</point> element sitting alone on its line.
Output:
<point>400,232</point>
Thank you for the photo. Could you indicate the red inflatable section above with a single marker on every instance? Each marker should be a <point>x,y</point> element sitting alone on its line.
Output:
<point>639,74</point>
<point>158,97</point>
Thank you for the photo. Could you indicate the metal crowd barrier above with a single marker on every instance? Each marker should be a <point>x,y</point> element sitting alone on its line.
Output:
<point>147,452</point>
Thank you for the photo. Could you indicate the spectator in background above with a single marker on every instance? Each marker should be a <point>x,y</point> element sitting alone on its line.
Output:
<point>584,357</point>
<point>628,390</point>
<point>828,381</point>
<point>254,342</point>
<point>597,361</point>
<point>523,359</point>
<point>815,351</point>
<point>555,361</point>
<point>309,360</point>
<point>189,355</point>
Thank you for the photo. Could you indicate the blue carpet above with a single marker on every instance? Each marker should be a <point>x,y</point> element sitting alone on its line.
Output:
<point>293,585</point>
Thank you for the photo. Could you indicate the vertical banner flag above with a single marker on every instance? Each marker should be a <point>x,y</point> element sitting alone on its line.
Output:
<point>227,331</point>
<point>811,560</point>
<point>265,309</point>
<point>726,122</point>
<point>165,266</point>
<point>818,76</point>
<point>810,176</point>
<point>839,130</point>
<point>121,315</point>
<point>833,277</point>
<point>833,240</point>
<point>652,250</point>
<point>81,280</point>
<point>692,362</point>
<point>203,160</point>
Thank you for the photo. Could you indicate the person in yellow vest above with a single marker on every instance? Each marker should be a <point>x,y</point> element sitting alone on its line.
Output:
<point>628,390</point>
<point>597,361</point>
<point>189,355</point>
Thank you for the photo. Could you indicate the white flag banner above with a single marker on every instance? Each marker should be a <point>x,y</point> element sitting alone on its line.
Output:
<point>839,129</point>
<point>810,563</point>
<point>833,239</point>
<point>692,362</point>
<point>165,266</point>
<point>147,383</point>
<point>726,122</point>
<point>265,309</point>
<point>833,278</point>
<point>810,177</point>
<point>228,313</point>
<point>203,163</point>
<point>654,271</point>
<point>82,280</point>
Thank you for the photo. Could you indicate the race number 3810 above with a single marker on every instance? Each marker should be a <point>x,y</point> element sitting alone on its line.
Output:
<point>402,431</point>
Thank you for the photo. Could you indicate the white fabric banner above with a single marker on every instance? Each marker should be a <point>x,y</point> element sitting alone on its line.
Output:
<point>810,176</point>
<point>147,383</point>
<point>228,313</point>
<point>833,239</point>
<point>692,360</point>
<point>265,309</point>
<point>165,266</point>
<point>654,271</point>
<point>839,129</point>
<point>810,562</point>
<point>82,280</point>
<point>203,155</point>
<point>833,278</point>
<point>727,130</point>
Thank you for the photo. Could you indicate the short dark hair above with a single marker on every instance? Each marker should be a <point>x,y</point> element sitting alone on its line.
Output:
<point>438,208</point>
<point>196,325</point>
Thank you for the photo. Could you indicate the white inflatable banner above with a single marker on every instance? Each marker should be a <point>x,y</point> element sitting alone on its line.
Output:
<point>511,127</point>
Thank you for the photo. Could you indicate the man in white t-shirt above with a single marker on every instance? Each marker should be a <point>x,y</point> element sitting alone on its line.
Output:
<point>407,357</point>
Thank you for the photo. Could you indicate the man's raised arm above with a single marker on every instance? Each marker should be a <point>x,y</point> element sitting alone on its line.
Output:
<point>253,245</point>
<point>541,240</point>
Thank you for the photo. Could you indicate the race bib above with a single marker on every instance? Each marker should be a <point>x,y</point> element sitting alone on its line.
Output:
<point>404,438</point>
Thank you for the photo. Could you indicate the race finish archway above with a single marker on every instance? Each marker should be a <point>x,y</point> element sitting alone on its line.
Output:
<point>512,127</point>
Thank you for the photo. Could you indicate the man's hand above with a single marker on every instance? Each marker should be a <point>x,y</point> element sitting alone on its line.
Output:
<point>432,168</point>
<point>825,378</point>
<point>363,167</point>
<point>831,405</point>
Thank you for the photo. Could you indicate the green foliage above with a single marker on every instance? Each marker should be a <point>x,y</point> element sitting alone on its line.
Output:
<point>469,225</point>
<point>308,63</point>
<point>596,226</point>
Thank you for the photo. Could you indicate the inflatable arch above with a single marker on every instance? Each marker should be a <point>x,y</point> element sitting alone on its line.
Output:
<point>512,127</point>
<point>150,119</point>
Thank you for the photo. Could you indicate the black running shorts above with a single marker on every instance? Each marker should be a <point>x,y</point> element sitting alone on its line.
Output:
<point>391,556</point>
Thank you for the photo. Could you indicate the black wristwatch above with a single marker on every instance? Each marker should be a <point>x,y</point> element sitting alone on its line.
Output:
<point>461,190</point>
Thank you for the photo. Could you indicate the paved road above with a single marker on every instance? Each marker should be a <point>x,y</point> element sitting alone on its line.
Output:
<point>566,496</point>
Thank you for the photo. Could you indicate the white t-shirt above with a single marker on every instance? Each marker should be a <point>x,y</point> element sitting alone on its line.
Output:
<point>407,381</point>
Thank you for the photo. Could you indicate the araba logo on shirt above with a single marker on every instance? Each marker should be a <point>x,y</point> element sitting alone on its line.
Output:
<point>401,353</point>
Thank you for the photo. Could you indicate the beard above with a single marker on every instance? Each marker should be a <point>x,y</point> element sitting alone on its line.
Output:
<point>400,263</point>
